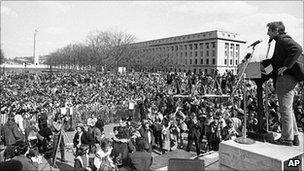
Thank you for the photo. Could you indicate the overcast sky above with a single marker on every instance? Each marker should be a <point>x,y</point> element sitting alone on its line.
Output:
<point>64,22</point>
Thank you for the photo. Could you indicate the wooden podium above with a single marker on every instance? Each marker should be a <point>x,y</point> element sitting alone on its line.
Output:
<point>254,72</point>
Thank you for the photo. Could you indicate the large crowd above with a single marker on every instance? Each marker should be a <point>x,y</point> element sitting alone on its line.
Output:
<point>155,112</point>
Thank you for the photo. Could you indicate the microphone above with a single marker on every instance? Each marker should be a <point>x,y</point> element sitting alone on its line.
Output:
<point>248,55</point>
<point>270,40</point>
<point>255,43</point>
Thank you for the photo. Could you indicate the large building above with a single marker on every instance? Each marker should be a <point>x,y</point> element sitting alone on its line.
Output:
<point>206,52</point>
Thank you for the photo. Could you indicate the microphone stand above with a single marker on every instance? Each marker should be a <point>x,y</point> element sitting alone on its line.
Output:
<point>266,94</point>
<point>243,139</point>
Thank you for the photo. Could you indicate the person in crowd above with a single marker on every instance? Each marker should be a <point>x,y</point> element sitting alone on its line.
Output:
<point>215,135</point>
<point>98,131</point>
<point>274,121</point>
<point>122,147</point>
<point>82,141</point>
<point>98,135</point>
<point>194,133</point>
<point>166,144</point>
<point>237,124</point>
<point>28,163</point>
<point>207,126</point>
<point>9,153</point>
<point>286,53</point>
<point>103,160</point>
<point>141,160</point>
<point>58,137</point>
<point>11,132</point>
<point>229,132</point>
<point>11,165</point>
<point>31,134</point>
<point>91,123</point>
<point>45,142</point>
<point>299,112</point>
<point>174,132</point>
<point>19,120</point>
<point>180,120</point>
<point>252,121</point>
<point>157,132</point>
<point>147,133</point>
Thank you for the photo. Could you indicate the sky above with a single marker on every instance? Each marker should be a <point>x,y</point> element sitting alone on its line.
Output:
<point>60,23</point>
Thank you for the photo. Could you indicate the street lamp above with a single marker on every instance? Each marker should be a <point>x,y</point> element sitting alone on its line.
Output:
<point>36,60</point>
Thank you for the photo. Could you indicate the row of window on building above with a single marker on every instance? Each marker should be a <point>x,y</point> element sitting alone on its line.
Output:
<point>194,46</point>
<point>196,53</point>
<point>190,54</point>
<point>207,62</point>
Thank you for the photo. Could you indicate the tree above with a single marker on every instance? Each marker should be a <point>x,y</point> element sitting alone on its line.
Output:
<point>109,49</point>
<point>1,57</point>
<point>101,49</point>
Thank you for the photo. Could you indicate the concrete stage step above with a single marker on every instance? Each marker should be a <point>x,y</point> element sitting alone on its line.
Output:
<point>260,155</point>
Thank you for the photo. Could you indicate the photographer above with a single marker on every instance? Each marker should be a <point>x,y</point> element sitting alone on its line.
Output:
<point>45,138</point>
<point>56,129</point>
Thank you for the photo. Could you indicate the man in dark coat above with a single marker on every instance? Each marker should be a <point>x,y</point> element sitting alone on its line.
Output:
<point>11,133</point>
<point>141,160</point>
<point>194,134</point>
<point>285,55</point>
<point>147,133</point>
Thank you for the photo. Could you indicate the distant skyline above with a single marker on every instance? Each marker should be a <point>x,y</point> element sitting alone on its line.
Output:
<point>60,23</point>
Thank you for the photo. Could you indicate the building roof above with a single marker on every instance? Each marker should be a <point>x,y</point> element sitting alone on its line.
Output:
<point>208,35</point>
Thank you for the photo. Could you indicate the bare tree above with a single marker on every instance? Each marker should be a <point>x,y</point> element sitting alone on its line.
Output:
<point>109,49</point>
<point>101,48</point>
<point>1,57</point>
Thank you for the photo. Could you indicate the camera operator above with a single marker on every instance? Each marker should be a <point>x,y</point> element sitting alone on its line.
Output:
<point>56,129</point>
<point>45,137</point>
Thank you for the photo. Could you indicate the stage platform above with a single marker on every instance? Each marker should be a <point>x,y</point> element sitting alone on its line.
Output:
<point>259,156</point>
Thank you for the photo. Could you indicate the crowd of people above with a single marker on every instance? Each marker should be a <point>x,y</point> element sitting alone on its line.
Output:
<point>36,107</point>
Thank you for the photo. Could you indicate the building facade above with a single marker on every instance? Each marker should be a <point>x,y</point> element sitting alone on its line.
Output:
<point>205,52</point>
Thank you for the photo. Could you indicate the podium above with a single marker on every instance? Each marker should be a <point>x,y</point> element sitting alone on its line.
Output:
<point>254,73</point>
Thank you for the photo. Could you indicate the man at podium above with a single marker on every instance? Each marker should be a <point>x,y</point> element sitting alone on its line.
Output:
<point>285,55</point>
